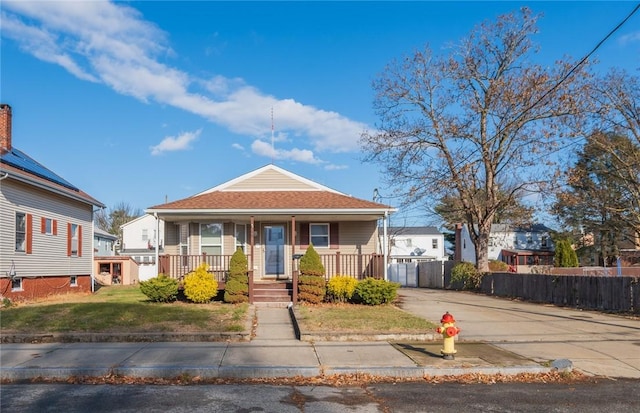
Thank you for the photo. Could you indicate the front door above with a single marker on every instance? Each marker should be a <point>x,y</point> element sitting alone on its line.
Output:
<point>274,251</point>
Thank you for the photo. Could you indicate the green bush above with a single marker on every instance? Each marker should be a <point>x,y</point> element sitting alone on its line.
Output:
<point>199,285</point>
<point>160,289</point>
<point>311,283</point>
<point>341,288</point>
<point>498,266</point>
<point>236,289</point>
<point>375,292</point>
<point>565,255</point>
<point>467,274</point>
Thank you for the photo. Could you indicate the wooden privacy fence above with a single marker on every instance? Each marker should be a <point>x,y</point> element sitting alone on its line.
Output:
<point>618,294</point>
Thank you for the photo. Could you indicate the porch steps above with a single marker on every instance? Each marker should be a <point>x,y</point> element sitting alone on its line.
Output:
<point>272,292</point>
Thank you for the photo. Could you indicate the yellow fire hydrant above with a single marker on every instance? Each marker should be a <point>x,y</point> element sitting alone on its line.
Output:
<point>449,331</point>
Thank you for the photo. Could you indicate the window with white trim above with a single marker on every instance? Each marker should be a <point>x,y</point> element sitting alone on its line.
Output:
<point>211,238</point>
<point>319,234</point>
<point>21,232</point>
<point>16,284</point>
<point>145,234</point>
<point>73,281</point>
<point>74,240</point>
<point>434,243</point>
<point>48,226</point>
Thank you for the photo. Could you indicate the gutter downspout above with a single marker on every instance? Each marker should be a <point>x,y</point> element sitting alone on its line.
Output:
<point>155,215</point>
<point>384,244</point>
<point>6,175</point>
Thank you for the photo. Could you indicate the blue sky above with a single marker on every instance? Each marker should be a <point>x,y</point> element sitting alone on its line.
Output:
<point>143,101</point>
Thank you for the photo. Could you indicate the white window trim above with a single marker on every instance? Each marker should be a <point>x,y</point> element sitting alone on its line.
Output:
<point>20,287</point>
<point>326,224</point>
<point>75,228</point>
<point>48,229</point>
<point>15,234</point>
<point>73,281</point>
<point>221,245</point>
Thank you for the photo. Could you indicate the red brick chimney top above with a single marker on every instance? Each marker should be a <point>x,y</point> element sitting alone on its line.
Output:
<point>5,128</point>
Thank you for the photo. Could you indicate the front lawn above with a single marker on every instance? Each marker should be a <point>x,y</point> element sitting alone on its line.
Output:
<point>121,309</point>
<point>359,318</point>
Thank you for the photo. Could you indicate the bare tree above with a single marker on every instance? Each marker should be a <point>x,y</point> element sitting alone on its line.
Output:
<point>480,124</point>
<point>111,220</point>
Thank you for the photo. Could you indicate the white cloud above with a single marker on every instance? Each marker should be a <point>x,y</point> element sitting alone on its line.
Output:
<point>175,143</point>
<point>333,167</point>
<point>265,149</point>
<point>237,146</point>
<point>112,44</point>
<point>629,38</point>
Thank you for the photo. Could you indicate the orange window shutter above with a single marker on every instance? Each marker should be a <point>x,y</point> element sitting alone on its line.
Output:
<point>29,233</point>
<point>68,239</point>
<point>79,240</point>
<point>55,227</point>
<point>43,225</point>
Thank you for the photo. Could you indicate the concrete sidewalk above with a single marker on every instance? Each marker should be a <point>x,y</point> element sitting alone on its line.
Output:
<point>498,336</point>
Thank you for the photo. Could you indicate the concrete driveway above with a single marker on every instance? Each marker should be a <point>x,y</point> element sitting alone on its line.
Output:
<point>596,343</point>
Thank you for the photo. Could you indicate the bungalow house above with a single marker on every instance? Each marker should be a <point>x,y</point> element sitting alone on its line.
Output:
<point>415,244</point>
<point>273,215</point>
<point>521,247</point>
<point>46,226</point>
<point>139,238</point>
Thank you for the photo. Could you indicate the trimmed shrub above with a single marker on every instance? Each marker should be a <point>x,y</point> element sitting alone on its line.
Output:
<point>160,289</point>
<point>340,288</point>
<point>236,289</point>
<point>199,285</point>
<point>375,292</point>
<point>311,283</point>
<point>466,274</point>
<point>498,266</point>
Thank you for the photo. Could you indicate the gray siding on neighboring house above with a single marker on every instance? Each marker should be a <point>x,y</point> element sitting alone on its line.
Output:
<point>49,252</point>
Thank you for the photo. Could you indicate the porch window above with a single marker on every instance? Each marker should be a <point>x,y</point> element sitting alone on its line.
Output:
<point>319,235</point>
<point>211,239</point>
<point>21,231</point>
<point>241,236</point>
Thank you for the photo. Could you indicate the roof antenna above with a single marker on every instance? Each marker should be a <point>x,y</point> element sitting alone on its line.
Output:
<point>273,150</point>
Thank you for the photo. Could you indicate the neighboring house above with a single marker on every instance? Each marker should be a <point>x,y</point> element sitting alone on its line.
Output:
<point>103,243</point>
<point>46,226</point>
<point>273,215</point>
<point>139,239</point>
<point>520,247</point>
<point>415,244</point>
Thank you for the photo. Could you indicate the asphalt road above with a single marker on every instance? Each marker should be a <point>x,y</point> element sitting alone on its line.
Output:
<point>620,396</point>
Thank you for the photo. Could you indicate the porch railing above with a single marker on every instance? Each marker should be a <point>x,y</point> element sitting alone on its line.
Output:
<point>358,266</point>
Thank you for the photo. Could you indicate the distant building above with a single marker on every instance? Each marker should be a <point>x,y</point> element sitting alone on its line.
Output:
<point>414,244</point>
<point>103,243</point>
<point>139,238</point>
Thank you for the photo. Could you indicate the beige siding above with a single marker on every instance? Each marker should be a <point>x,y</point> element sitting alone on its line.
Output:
<point>271,180</point>
<point>358,237</point>
<point>228,238</point>
<point>49,254</point>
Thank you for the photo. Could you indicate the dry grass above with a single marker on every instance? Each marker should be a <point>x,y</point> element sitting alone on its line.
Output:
<point>359,318</point>
<point>120,309</point>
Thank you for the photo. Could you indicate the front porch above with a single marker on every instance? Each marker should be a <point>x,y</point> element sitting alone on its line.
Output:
<point>358,266</point>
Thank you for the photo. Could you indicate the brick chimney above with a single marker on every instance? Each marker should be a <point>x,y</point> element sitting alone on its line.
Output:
<point>5,128</point>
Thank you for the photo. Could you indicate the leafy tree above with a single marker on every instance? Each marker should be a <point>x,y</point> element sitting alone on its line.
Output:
<point>597,199</point>
<point>478,125</point>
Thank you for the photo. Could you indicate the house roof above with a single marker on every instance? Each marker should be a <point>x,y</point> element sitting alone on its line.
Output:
<point>426,230</point>
<point>103,234</point>
<point>271,190</point>
<point>22,167</point>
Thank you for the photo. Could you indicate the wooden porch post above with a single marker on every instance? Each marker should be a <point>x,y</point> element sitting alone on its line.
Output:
<point>250,274</point>
<point>294,269</point>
